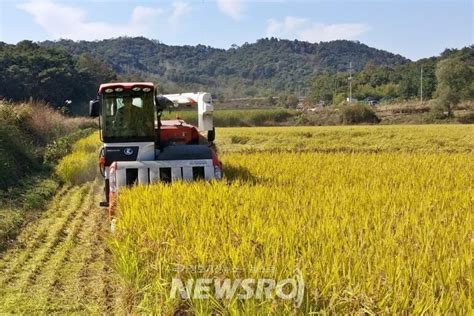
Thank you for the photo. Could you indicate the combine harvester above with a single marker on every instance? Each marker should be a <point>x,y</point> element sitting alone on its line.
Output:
<point>140,148</point>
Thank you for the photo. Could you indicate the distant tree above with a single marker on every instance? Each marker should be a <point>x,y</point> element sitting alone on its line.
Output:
<point>288,101</point>
<point>282,99</point>
<point>370,67</point>
<point>455,79</point>
<point>93,72</point>
<point>388,90</point>
<point>323,88</point>
<point>292,101</point>
<point>339,98</point>
<point>408,87</point>
<point>358,113</point>
<point>271,101</point>
<point>97,70</point>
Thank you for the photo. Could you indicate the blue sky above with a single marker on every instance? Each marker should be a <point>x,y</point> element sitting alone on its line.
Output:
<point>415,29</point>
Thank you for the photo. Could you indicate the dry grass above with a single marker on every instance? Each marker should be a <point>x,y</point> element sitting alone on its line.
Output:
<point>47,123</point>
<point>25,131</point>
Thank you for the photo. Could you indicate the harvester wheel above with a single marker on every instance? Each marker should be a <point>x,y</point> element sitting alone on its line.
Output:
<point>107,190</point>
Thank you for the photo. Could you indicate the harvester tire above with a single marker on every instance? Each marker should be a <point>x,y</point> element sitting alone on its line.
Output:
<point>106,190</point>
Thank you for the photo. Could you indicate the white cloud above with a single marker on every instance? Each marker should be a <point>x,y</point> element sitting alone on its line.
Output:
<point>180,9</point>
<point>292,27</point>
<point>64,21</point>
<point>142,14</point>
<point>232,8</point>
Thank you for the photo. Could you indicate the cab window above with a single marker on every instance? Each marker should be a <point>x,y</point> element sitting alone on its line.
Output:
<point>128,116</point>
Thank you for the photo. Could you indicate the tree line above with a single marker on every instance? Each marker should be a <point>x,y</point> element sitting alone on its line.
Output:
<point>68,70</point>
<point>400,83</point>
<point>253,70</point>
<point>30,71</point>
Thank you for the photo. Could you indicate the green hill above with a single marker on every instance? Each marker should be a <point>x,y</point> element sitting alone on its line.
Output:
<point>269,65</point>
<point>30,71</point>
<point>67,70</point>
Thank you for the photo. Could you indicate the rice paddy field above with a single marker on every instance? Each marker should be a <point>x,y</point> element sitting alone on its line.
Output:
<point>377,219</point>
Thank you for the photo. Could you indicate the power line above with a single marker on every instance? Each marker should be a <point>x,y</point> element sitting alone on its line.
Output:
<point>421,85</point>
<point>350,82</point>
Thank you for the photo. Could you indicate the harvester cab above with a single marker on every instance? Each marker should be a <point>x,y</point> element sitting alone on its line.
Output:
<point>140,148</point>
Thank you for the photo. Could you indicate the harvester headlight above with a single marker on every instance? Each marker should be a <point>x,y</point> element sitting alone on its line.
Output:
<point>118,89</point>
<point>109,90</point>
<point>136,89</point>
<point>146,89</point>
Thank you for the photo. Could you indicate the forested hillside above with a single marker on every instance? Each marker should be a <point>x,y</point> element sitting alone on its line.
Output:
<point>66,70</point>
<point>30,71</point>
<point>252,69</point>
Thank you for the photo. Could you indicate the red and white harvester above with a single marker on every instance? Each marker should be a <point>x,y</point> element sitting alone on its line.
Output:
<point>140,148</point>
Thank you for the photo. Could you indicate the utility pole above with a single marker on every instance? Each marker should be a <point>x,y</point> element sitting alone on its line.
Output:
<point>421,85</point>
<point>350,82</point>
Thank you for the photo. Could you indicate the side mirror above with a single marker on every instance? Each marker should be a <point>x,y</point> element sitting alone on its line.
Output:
<point>211,135</point>
<point>162,103</point>
<point>94,108</point>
